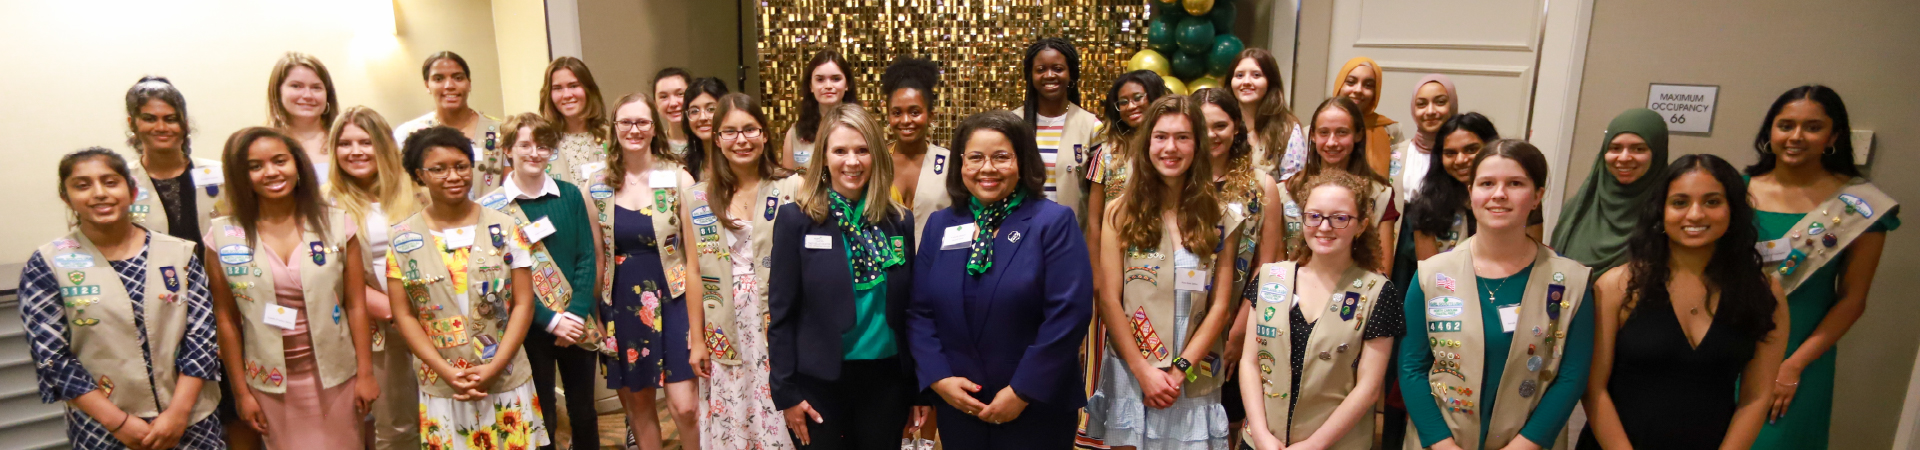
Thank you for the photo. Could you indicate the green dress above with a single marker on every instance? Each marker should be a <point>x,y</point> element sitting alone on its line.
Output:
<point>1808,419</point>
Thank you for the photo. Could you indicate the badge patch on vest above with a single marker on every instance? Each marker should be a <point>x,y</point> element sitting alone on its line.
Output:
<point>1857,205</point>
<point>939,164</point>
<point>498,236</point>
<point>408,242</point>
<point>772,204</point>
<point>1145,338</point>
<point>494,201</point>
<point>73,261</point>
<point>1555,294</point>
<point>1444,281</point>
<point>1350,305</point>
<point>1443,326</point>
<point>448,332</point>
<point>76,291</point>
<point>67,244</point>
<point>718,343</point>
<point>703,216</point>
<point>106,386</point>
<point>1273,293</point>
<point>170,277</point>
<point>600,191</point>
<point>1445,307</point>
<point>1149,274</point>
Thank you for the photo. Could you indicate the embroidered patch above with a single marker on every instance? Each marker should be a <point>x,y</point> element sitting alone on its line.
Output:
<point>495,200</point>
<point>485,347</point>
<point>1273,293</point>
<point>1445,307</point>
<point>1444,281</point>
<point>76,277</point>
<point>73,261</point>
<point>1267,331</point>
<point>1856,204</point>
<point>939,164</point>
<point>76,291</point>
<point>408,242</point>
<point>1443,326</point>
<point>273,376</point>
<point>600,191</point>
<point>1145,338</point>
<point>106,386</point>
<point>1149,274</point>
<point>170,277</point>
<point>447,332</point>
<point>719,344</point>
<point>773,204</point>
<point>1554,295</point>
<point>703,216</point>
<point>65,244</point>
<point>1350,305</point>
<point>336,314</point>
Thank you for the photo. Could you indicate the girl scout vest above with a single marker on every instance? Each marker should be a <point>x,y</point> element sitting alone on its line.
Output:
<point>1147,298</point>
<point>1243,197</point>
<point>463,339</point>
<point>1296,219</point>
<point>1826,231</point>
<point>1451,239</point>
<point>100,314</point>
<point>930,194</point>
<point>1069,173</point>
<point>321,284</point>
<point>148,211</point>
<point>664,181</point>
<point>1328,375</point>
<point>1555,288</point>
<point>578,162</point>
<point>716,262</point>
<point>550,286</point>
<point>1110,163</point>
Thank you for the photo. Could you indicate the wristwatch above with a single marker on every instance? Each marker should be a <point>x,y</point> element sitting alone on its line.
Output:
<point>1182,364</point>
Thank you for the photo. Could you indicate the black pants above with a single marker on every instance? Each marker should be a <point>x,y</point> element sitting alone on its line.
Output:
<point>1040,426</point>
<point>866,409</point>
<point>577,370</point>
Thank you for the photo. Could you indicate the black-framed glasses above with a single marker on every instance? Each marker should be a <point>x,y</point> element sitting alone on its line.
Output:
<point>750,132</point>
<point>1339,221</point>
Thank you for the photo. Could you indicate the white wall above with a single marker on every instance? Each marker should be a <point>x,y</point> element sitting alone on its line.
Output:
<point>72,62</point>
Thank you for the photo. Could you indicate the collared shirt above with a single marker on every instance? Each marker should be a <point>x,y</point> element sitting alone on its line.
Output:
<point>547,187</point>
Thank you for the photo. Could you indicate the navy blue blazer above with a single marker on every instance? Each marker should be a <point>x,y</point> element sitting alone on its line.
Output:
<point>810,299</point>
<point>1033,315</point>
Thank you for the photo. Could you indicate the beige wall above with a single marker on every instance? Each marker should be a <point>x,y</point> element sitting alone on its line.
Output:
<point>73,62</point>
<point>520,29</point>
<point>627,42</point>
<point>1755,50</point>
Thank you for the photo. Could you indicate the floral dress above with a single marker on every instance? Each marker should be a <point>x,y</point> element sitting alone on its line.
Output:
<point>739,412</point>
<point>646,324</point>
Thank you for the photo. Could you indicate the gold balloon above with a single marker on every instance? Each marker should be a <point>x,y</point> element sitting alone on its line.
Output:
<point>1202,82</point>
<point>1169,1</point>
<point>1198,7</point>
<point>1174,84</point>
<point>1147,59</point>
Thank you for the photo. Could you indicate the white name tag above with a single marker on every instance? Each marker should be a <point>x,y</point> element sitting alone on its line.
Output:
<point>204,176</point>
<point>281,316</point>
<point>588,170</point>
<point>1775,250</point>
<point>538,230</point>
<point>320,171</point>
<point>662,179</point>
<point>457,238</point>
<point>959,236</point>
<point>1509,318</point>
<point>1190,279</point>
<point>819,242</point>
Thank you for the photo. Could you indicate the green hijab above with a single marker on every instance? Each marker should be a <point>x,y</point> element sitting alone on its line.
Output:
<point>1596,222</point>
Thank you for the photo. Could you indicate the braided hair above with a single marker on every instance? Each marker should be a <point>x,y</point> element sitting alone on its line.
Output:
<point>1031,106</point>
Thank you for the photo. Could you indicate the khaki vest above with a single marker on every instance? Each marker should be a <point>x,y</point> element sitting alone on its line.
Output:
<point>149,212</point>
<point>567,160</point>
<point>489,157</point>
<point>1070,163</point>
<point>1246,202</point>
<point>1295,216</point>
<point>99,313</point>
<point>550,285</point>
<point>1333,350</point>
<point>665,211</point>
<point>930,194</point>
<point>1458,232</point>
<point>1826,231</point>
<point>321,283</point>
<point>1147,299</point>
<point>1454,325</point>
<point>464,340</point>
<point>716,262</point>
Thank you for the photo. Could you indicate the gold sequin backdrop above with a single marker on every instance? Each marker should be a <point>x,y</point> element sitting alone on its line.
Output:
<point>978,43</point>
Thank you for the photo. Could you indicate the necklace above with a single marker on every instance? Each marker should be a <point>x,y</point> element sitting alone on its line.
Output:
<point>1496,288</point>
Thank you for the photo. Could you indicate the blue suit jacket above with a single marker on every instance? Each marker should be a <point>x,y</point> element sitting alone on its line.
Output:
<point>1034,311</point>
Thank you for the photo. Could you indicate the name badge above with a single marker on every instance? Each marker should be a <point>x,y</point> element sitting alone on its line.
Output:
<point>662,179</point>
<point>204,176</point>
<point>819,242</point>
<point>1509,318</point>
<point>458,238</point>
<point>1190,279</point>
<point>959,236</point>
<point>539,229</point>
<point>1775,250</point>
<point>588,170</point>
<point>281,316</point>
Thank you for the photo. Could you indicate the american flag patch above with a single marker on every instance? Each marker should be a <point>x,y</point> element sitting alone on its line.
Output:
<point>234,231</point>
<point>1444,281</point>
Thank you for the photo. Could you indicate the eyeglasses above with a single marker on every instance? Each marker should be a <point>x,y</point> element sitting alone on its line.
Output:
<point>752,132</point>
<point>978,159</point>
<point>631,125</point>
<point>1136,99</point>
<point>1339,221</point>
<point>444,172</point>
<point>536,148</point>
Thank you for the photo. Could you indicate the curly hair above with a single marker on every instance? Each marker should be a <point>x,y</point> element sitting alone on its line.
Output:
<point>1366,244</point>
<point>912,73</point>
<point>1138,216</point>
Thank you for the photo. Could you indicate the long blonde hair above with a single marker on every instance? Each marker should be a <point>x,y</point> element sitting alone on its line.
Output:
<point>818,182</point>
<point>277,116</point>
<point>1138,216</point>
<point>390,187</point>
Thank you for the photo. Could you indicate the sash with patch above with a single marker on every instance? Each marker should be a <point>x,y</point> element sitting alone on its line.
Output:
<point>550,285</point>
<point>1333,352</point>
<point>322,285</point>
<point>1554,290</point>
<point>1148,296</point>
<point>716,260</point>
<point>463,339</point>
<point>1824,233</point>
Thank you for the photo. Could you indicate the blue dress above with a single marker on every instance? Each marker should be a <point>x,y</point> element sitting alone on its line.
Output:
<point>647,323</point>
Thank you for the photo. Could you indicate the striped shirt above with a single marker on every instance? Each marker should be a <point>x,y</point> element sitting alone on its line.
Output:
<point>1047,134</point>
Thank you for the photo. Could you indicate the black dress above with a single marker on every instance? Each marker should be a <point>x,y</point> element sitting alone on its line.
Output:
<point>1670,395</point>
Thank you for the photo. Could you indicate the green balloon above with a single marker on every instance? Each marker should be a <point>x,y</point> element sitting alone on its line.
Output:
<point>1195,35</point>
<point>1160,36</point>
<point>1172,12</point>
<point>1226,49</point>
<point>1187,67</point>
<point>1222,16</point>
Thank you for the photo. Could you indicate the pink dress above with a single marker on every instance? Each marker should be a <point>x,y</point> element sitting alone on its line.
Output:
<point>308,415</point>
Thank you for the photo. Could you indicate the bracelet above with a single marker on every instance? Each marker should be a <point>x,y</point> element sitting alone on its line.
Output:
<point>1796,383</point>
<point>123,423</point>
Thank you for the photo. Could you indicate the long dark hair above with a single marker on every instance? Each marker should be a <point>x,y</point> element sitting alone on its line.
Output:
<point>722,181</point>
<point>151,88</point>
<point>1149,81</point>
<point>245,203</point>
<point>1356,157</point>
<point>1026,152</point>
<point>1030,107</point>
<point>1441,197</point>
<point>1839,161</point>
<point>809,123</point>
<point>697,149</point>
<point>1746,296</point>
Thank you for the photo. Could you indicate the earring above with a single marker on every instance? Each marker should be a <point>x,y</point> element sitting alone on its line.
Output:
<point>1831,149</point>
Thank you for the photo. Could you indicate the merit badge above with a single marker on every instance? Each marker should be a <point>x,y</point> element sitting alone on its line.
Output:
<point>1144,336</point>
<point>939,164</point>
<point>772,204</point>
<point>168,275</point>
<point>336,314</point>
<point>1350,305</point>
<point>1273,293</point>
<point>1444,281</point>
<point>499,237</point>
<point>408,242</point>
<point>1554,294</point>
<point>1445,307</point>
<point>319,253</point>
<point>1857,205</point>
<point>235,254</point>
<point>600,191</point>
<point>76,277</point>
<point>490,140</point>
